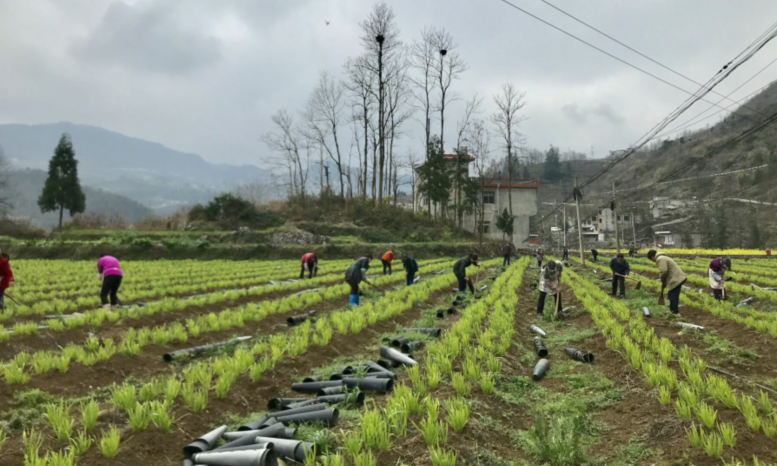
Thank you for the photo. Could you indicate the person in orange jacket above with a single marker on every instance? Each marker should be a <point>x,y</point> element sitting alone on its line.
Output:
<point>386,261</point>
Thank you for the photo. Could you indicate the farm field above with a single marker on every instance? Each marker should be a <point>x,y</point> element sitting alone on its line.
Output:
<point>82,386</point>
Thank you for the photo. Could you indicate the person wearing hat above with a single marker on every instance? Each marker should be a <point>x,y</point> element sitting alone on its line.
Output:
<point>717,272</point>
<point>672,279</point>
<point>540,257</point>
<point>550,284</point>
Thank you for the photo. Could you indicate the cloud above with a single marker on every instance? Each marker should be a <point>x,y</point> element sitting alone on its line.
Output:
<point>148,36</point>
<point>588,113</point>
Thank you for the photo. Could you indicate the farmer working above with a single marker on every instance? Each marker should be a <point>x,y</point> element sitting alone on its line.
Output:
<point>309,265</point>
<point>672,278</point>
<point>594,253</point>
<point>386,261</point>
<point>550,284</point>
<point>717,272</point>
<point>411,268</point>
<point>565,254</point>
<point>460,270</point>
<point>110,276</point>
<point>507,253</point>
<point>540,257</point>
<point>620,270</point>
<point>356,274</point>
<point>6,278</point>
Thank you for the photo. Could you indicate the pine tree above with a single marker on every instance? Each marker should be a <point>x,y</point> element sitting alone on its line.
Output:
<point>552,170</point>
<point>435,179</point>
<point>62,189</point>
<point>505,223</point>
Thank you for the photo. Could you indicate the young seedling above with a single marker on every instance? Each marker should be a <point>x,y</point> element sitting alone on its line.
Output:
<point>706,414</point>
<point>375,430</point>
<point>351,441</point>
<point>728,434</point>
<point>81,443</point>
<point>364,458</point>
<point>109,442</point>
<point>139,417</point>
<point>664,395</point>
<point>60,420</point>
<point>695,436</point>
<point>487,383</point>
<point>458,413</point>
<point>713,445</point>
<point>460,385</point>
<point>441,457</point>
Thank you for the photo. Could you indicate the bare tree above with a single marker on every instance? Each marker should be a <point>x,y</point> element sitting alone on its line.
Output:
<point>448,68</point>
<point>398,110</point>
<point>411,161</point>
<point>288,142</point>
<point>360,85</point>
<point>323,117</point>
<point>507,120</point>
<point>423,57</point>
<point>479,139</point>
<point>472,108</point>
<point>254,191</point>
<point>380,37</point>
<point>6,204</point>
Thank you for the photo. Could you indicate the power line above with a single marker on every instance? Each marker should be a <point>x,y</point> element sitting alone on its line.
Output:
<point>647,57</point>
<point>613,56</point>
<point>690,122</point>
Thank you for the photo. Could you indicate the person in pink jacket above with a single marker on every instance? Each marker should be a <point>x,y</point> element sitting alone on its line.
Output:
<point>111,275</point>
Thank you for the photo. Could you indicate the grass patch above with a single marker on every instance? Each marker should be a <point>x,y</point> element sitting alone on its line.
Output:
<point>28,409</point>
<point>483,456</point>
<point>519,390</point>
<point>560,441</point>
<point>631,453</point>
<point>317,433</point>
<point>726,351</point>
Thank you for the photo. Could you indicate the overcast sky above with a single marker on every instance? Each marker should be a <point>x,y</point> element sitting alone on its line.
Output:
<point>205,76</point>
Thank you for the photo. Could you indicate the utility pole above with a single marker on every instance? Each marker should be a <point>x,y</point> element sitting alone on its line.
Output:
<point>579,225</point>
<point>615,216</point>
<point>633,230</point>
<point>565,224</point>
<point>558,237</point>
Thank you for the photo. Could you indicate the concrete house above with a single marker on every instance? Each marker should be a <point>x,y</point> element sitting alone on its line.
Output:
<point>496,194</point>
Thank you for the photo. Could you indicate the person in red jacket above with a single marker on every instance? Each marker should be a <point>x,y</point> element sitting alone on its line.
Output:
<point>6,278</point>
<point>309,265</point>
<point>386,261</point>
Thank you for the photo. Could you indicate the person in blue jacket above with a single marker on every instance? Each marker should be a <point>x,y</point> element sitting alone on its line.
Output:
<point>411,268</point>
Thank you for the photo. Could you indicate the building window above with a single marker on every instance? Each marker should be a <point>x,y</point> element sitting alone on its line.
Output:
<point>489,197</point>
<point>625,218</point>
<point>485,227</point>
<point>593,219</point>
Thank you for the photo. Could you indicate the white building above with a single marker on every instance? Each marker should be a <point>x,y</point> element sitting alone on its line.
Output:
<point>496,195</point>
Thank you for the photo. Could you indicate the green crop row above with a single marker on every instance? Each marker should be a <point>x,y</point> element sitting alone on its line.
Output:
<point>650,354</point>
<point>19,370</point>
<point>198,379</point>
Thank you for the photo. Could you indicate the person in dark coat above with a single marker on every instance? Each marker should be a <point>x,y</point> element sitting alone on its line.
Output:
<point>565,254</point>
<point>507,253</point>
<point>460,270</point>
<point>411,268</point>
<point>356,274</point>
<point>619,266</point>
<point>595,253</point>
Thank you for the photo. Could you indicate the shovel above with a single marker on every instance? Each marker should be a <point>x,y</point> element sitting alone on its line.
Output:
<point>661,301</point>
<point>639,283</point>
<point>558,300</point>
<point>11,298</point>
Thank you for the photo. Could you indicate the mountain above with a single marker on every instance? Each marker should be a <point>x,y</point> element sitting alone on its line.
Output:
<point>158,177</point>
<point>27,185</point>
<point>695,154</point>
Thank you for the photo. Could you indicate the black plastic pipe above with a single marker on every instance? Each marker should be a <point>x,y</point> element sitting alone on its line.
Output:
<point>578,355</point>
<point>436,332</point>
<point>296,320</point>
<point>255,424</point>
<point>300,404</point>
<point>275,430</point>
<point>237,458</point>
<point>393,355</point>
<point>168,357</point>
<point>253,446</point>
<point>412,346</point>
<point>280,403</point>
<point>313,387</point>
<point>355,398</point>
<point>540,369</point>
<point>399,341</point>
<point>539,345</point>
<point>301,410</point>
<point>205,442</point>
<point>331,391</point>
<point>536,330</point>
<point>346,370</point>
<point>241,441</point>
<point>312,378</point>
<point>372,367</point>
<point>386,364</point>
<point>371,384</point>
<point>646,312</point>
<point>292,449</point>
<point>327,416</point>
